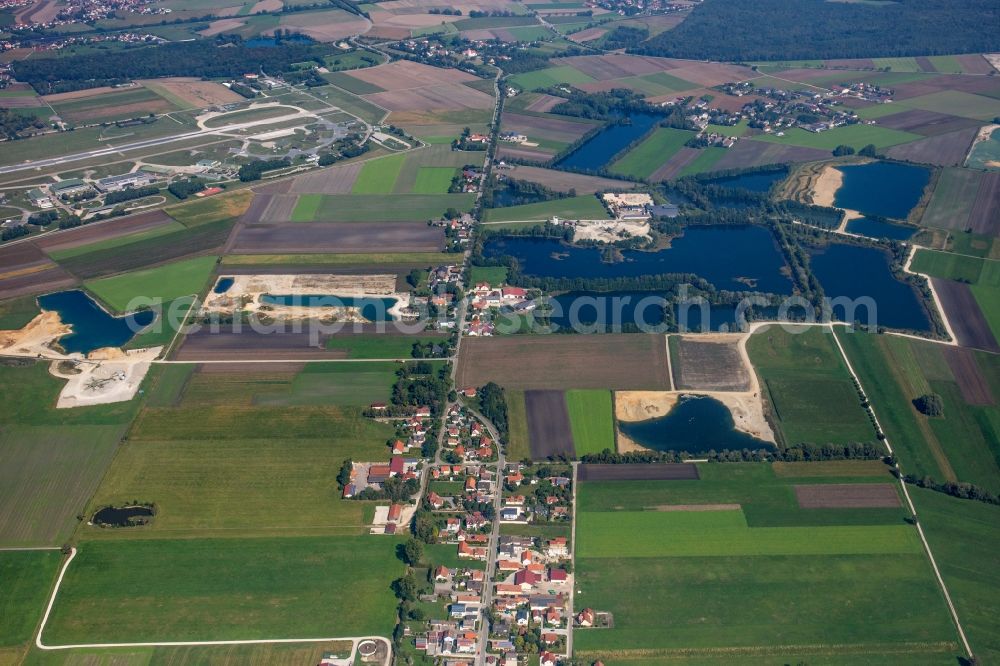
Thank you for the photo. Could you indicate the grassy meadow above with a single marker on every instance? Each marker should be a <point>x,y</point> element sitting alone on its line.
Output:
<point>592,420</point>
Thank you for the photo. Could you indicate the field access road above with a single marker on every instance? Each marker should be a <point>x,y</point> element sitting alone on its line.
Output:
<point>355,640</point>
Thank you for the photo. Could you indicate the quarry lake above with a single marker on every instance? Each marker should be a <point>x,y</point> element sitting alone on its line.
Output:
<point>371,308</point>
<point>93,326</point>
<point>753,182</point>
<point>696,424</point>
<point>737,258</point>
<point>887,189</point>
<point>595,153</point>
<point>876,228</point>
<point>856,272</point>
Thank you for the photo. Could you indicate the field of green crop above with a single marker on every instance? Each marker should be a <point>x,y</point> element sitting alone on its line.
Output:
<point>26,578</point>
<point>218,589</point>
<point>592,420</point>
<point>379,176</point>
<point>652,153</point>
<point>583,207</point>
<point>351,84</point>
<point>115,105</point>
<point>378,207</point>
<point>518,448</point>
<point>768,581</point>
<point>378,346</point>
<point>216,655</point>
<point>856,136</point>
<point>433,180</point>
<point>808,387</point>
<point>109,243</point>
<point>166,282</point>
<point>973,270</point>
<point>551,76</point>
<point>958,103</point>
<point>704,163</point>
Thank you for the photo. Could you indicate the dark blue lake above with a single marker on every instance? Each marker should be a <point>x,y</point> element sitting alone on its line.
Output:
<point>223,285</point>
<point>867,226</point>
<point>93,327</point>
<point>754,182</point>
<point>696,424</point>
<point>372,309</point>
<point>614,311</point>
<point>886,189</point>
<point>738,258</point>
<point>604,145</point>
<point>864,272</point>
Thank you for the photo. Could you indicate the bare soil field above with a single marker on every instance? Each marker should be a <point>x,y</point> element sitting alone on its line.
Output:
<point>565,361</point>
<point>709,74</point>
<point>548,424</point>
<point>971,382</point>
<point>99,231</point>
<point>283,186</point>
<point>587,35</point>
<point>326,26</point>
<point>942,150</point>
<point>277,210</point>
<point>337,237</point>
<point>974,64</point>
<point>221,25</point>
<point>639,472</point>
<point>24,269</point>
<point>847,496</point>
<point>335,180</point>
<point>194,91</point>
<point>288,369</point>
<point>266,6</point>
<point>158,105</point>
<point>757,153</point>
<point>386,32</point>
<point>432,98</point>
<point>673,166</point>
<point>709,363</point>
<point>616,66</point>
<point>404,75</point>
<point>532,154</point>
<point>250,345</point>
<point>927,123</point>
<point>563,181</point>
<point>543,103</point>
<point>985,217</point>
<point>80,94</point>
<point>413,6</point>
<point>22,102</point>
<point>555,129</point>
<point>966,318</point>
<point>41,11</point>
<point>970,84</point>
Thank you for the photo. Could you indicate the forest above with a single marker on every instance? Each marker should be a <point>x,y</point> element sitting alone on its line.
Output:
<point>750,30</point>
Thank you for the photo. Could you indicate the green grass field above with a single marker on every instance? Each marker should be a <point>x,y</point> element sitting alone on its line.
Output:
<point>114,105</point>
<point>729,587</point>
<point>492,274</point>
<point>378,346</point>
<point>583,207</point>
<point>26,578</point>
<point>17,312</point>
<point>215,589</point>
<point>808,386</point>
<point>958,103</point>
<point>378,176</point>
<point>652,153</point>
<point>433,180</point>
<point>704,163</point>
<point>68,253</point>
<point>215,655</point>
<point>985,153</point>
<point>592,420</point>
<point>351,83</point>
<point>166,282</point>
<point>974,270</point>
<point>519,447</point>
<point>378,207</point>
<point>953,198</point>
<point>856,136</point>
<point>551,76</point>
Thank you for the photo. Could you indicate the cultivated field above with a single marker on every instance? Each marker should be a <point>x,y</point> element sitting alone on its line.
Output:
<point>337,238</point>
<point>564,181</point>
<point>708,363</point>
<point>377,207</point>
<point>549,431</point>
<point>646,159</point>
<point>565,361</point>
<point>592,420</point>
<point>971,327</point>
<point>571,208</point>
<point>26,577</point>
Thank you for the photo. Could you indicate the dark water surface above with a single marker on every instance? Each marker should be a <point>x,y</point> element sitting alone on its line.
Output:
<point>886,189</point>
<point>604,145</point>
<point>93,327</point>
<point>373,309</point>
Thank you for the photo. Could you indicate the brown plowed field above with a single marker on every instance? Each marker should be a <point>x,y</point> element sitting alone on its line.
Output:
<point>532,154</point>
<point>249,345</point>
<point>100,231</point>
<point>615,66</point>
<point>565,361</point>
<point>274,187</point>
<point>587,35</point>
<point>197,93</point>
<point>290,368</point>
<point>548,425</point>
<point>748,153</point>
<point>278,210</point>
<point>404,75</point>
<point>985,217</point>
<point>847,496</point>
<point>336,237</point>
<point>925,64</point>
<point>969,84</point>
<point>24,269</point>
<point>941,150</point>
<point>336,180</point>
<point>432,98</point>
<point>927,123</point>
<point>563,181</point>
<point>971,382</point>
<point>974,64</point>
<point>21,102</point>
<point>710,74</point>
<point>964,315</point>
<point>673,166</point>
<point>708,365</point>
<point>638,472</point>
<point>554,129</point>
<point>544,103</point>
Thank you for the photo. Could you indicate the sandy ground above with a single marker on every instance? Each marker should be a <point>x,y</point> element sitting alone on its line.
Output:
<point>36,338</point>
<point>824,188</point>
<point>611,230</point>
<point>984,134</point>
<point>747,410</point>
<point>246,292</point>
<point>382,519</point>
<point>993,59</point>
<point>108,375</point>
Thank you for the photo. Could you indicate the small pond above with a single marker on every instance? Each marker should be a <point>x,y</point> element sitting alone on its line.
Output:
<point>123,516</point>
<point>735,257</point>
<point>886,189</point>
<point>93,326</point>
<point>223,285</point>
<point>875,228</point>
<point>754,182</point>
<point>371,308</point>
<point>600,148</point>
<point>857,272</point>
<point>696,424</point>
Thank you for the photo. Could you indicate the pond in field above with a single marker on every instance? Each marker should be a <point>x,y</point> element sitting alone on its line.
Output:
<point>736,257</point>
<point>863,276</point>
<point>876,228</point>
<point>223,285</point>
<point>600,148</point>
<point>886,189</point>
<point>371,308</point>
<point>696,424</point>
<point>613,311</point>
<point>93,326</point>
<point>124,516</point>
<point>753,182</point>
